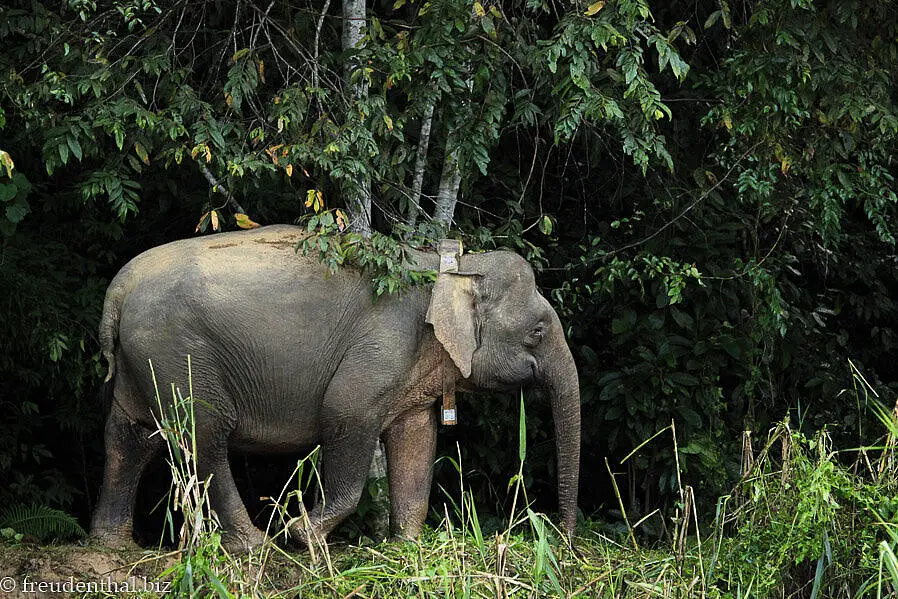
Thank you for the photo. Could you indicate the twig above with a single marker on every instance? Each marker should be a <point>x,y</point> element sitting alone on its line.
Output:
<point>264,17</point>
<point>327,5</point>
<point>216,184</point>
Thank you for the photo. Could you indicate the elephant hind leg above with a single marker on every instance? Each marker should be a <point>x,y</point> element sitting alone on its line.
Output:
<point>239,534</point>
<point>129,448</point>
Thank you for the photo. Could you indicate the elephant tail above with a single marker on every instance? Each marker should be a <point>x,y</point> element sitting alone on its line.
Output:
<point>109,324</point>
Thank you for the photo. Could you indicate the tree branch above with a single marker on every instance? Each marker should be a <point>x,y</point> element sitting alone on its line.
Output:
<point>687,209</point>
<point>320,24</point>
<point>216,184</point>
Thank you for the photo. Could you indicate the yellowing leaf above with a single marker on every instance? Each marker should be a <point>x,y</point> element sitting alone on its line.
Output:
<point>341,220</point>
<point>142,153</point>
<point>289,169</point>
<point>6,161</point>
<point>262,70</point>
<point>785,165</point>
<point>208,154</point>
<point>314,200</point>
<point>727,121</point>
<point>594,8</point>
<point>229,100</point>
<point>244,222</point>
<point>214,220</point>
<point>388,121</point>
<point>478,8</point>
<point>199,225</point>
<point>273,152</point>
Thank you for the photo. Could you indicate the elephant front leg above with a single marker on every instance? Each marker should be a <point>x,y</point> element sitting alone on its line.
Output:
<point>411,445</point>
<point>344,468</point>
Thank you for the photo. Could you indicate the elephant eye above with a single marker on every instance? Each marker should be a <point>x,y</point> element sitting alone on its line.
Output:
<point>534,337</point>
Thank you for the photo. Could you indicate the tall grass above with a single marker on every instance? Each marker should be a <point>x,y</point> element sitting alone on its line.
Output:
<point>804,520</point>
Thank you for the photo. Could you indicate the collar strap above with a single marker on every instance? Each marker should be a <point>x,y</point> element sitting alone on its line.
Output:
<point>450,251</point>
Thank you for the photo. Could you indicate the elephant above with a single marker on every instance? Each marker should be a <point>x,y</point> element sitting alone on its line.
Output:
<point>286,356</point>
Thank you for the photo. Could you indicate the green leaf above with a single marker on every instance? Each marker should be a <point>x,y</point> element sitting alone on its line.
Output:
<point>545,225</point>
<point>681,318</point>
<point>690,416</point>
<point>683,378</point>
<point>16,212</point>
<point>624,323</point>
<point>7,191</point>
<point>75,147</point>
<point>522,432</point>
<point>217,137</point>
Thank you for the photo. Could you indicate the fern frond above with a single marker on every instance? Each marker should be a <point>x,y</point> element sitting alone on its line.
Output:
<point>41,521</point>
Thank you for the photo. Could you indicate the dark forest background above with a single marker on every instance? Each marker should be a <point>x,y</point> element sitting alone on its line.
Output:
<point>706,189</point>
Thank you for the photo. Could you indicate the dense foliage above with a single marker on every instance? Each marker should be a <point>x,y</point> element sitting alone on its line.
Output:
<point>706,189</point>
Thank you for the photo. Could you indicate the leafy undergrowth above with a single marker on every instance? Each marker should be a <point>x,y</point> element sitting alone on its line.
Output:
<point>804,520</point>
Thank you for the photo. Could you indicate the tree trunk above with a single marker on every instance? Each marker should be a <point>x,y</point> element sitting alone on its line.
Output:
<point>447,195</point>
<point>420,164</point>
<point>358,197</point>
<point>358,205</point>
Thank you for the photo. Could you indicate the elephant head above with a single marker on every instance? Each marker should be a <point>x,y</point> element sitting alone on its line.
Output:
<point>502,333</point>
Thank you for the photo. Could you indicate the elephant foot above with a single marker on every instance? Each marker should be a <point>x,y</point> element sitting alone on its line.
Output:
<point>242,542</point>
<point>114,539</point>
<point>306,535</point>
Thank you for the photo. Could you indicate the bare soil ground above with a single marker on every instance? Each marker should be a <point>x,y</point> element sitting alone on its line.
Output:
<point>55,571</point>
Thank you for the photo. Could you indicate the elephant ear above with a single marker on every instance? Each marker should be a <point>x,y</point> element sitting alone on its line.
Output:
<point>451,312</point>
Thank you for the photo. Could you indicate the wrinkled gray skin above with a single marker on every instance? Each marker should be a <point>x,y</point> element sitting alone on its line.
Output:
<point>285,358</point>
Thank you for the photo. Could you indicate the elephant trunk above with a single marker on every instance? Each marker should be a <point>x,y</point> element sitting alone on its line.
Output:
<point>562,384</point>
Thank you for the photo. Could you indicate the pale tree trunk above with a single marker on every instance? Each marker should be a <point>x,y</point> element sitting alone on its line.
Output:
<point>447,194</point>
<point>358,199</point>
<point>358,204</point>
<point>420,164</point>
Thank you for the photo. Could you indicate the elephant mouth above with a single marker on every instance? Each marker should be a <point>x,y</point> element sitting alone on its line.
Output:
<point>511,378</point>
